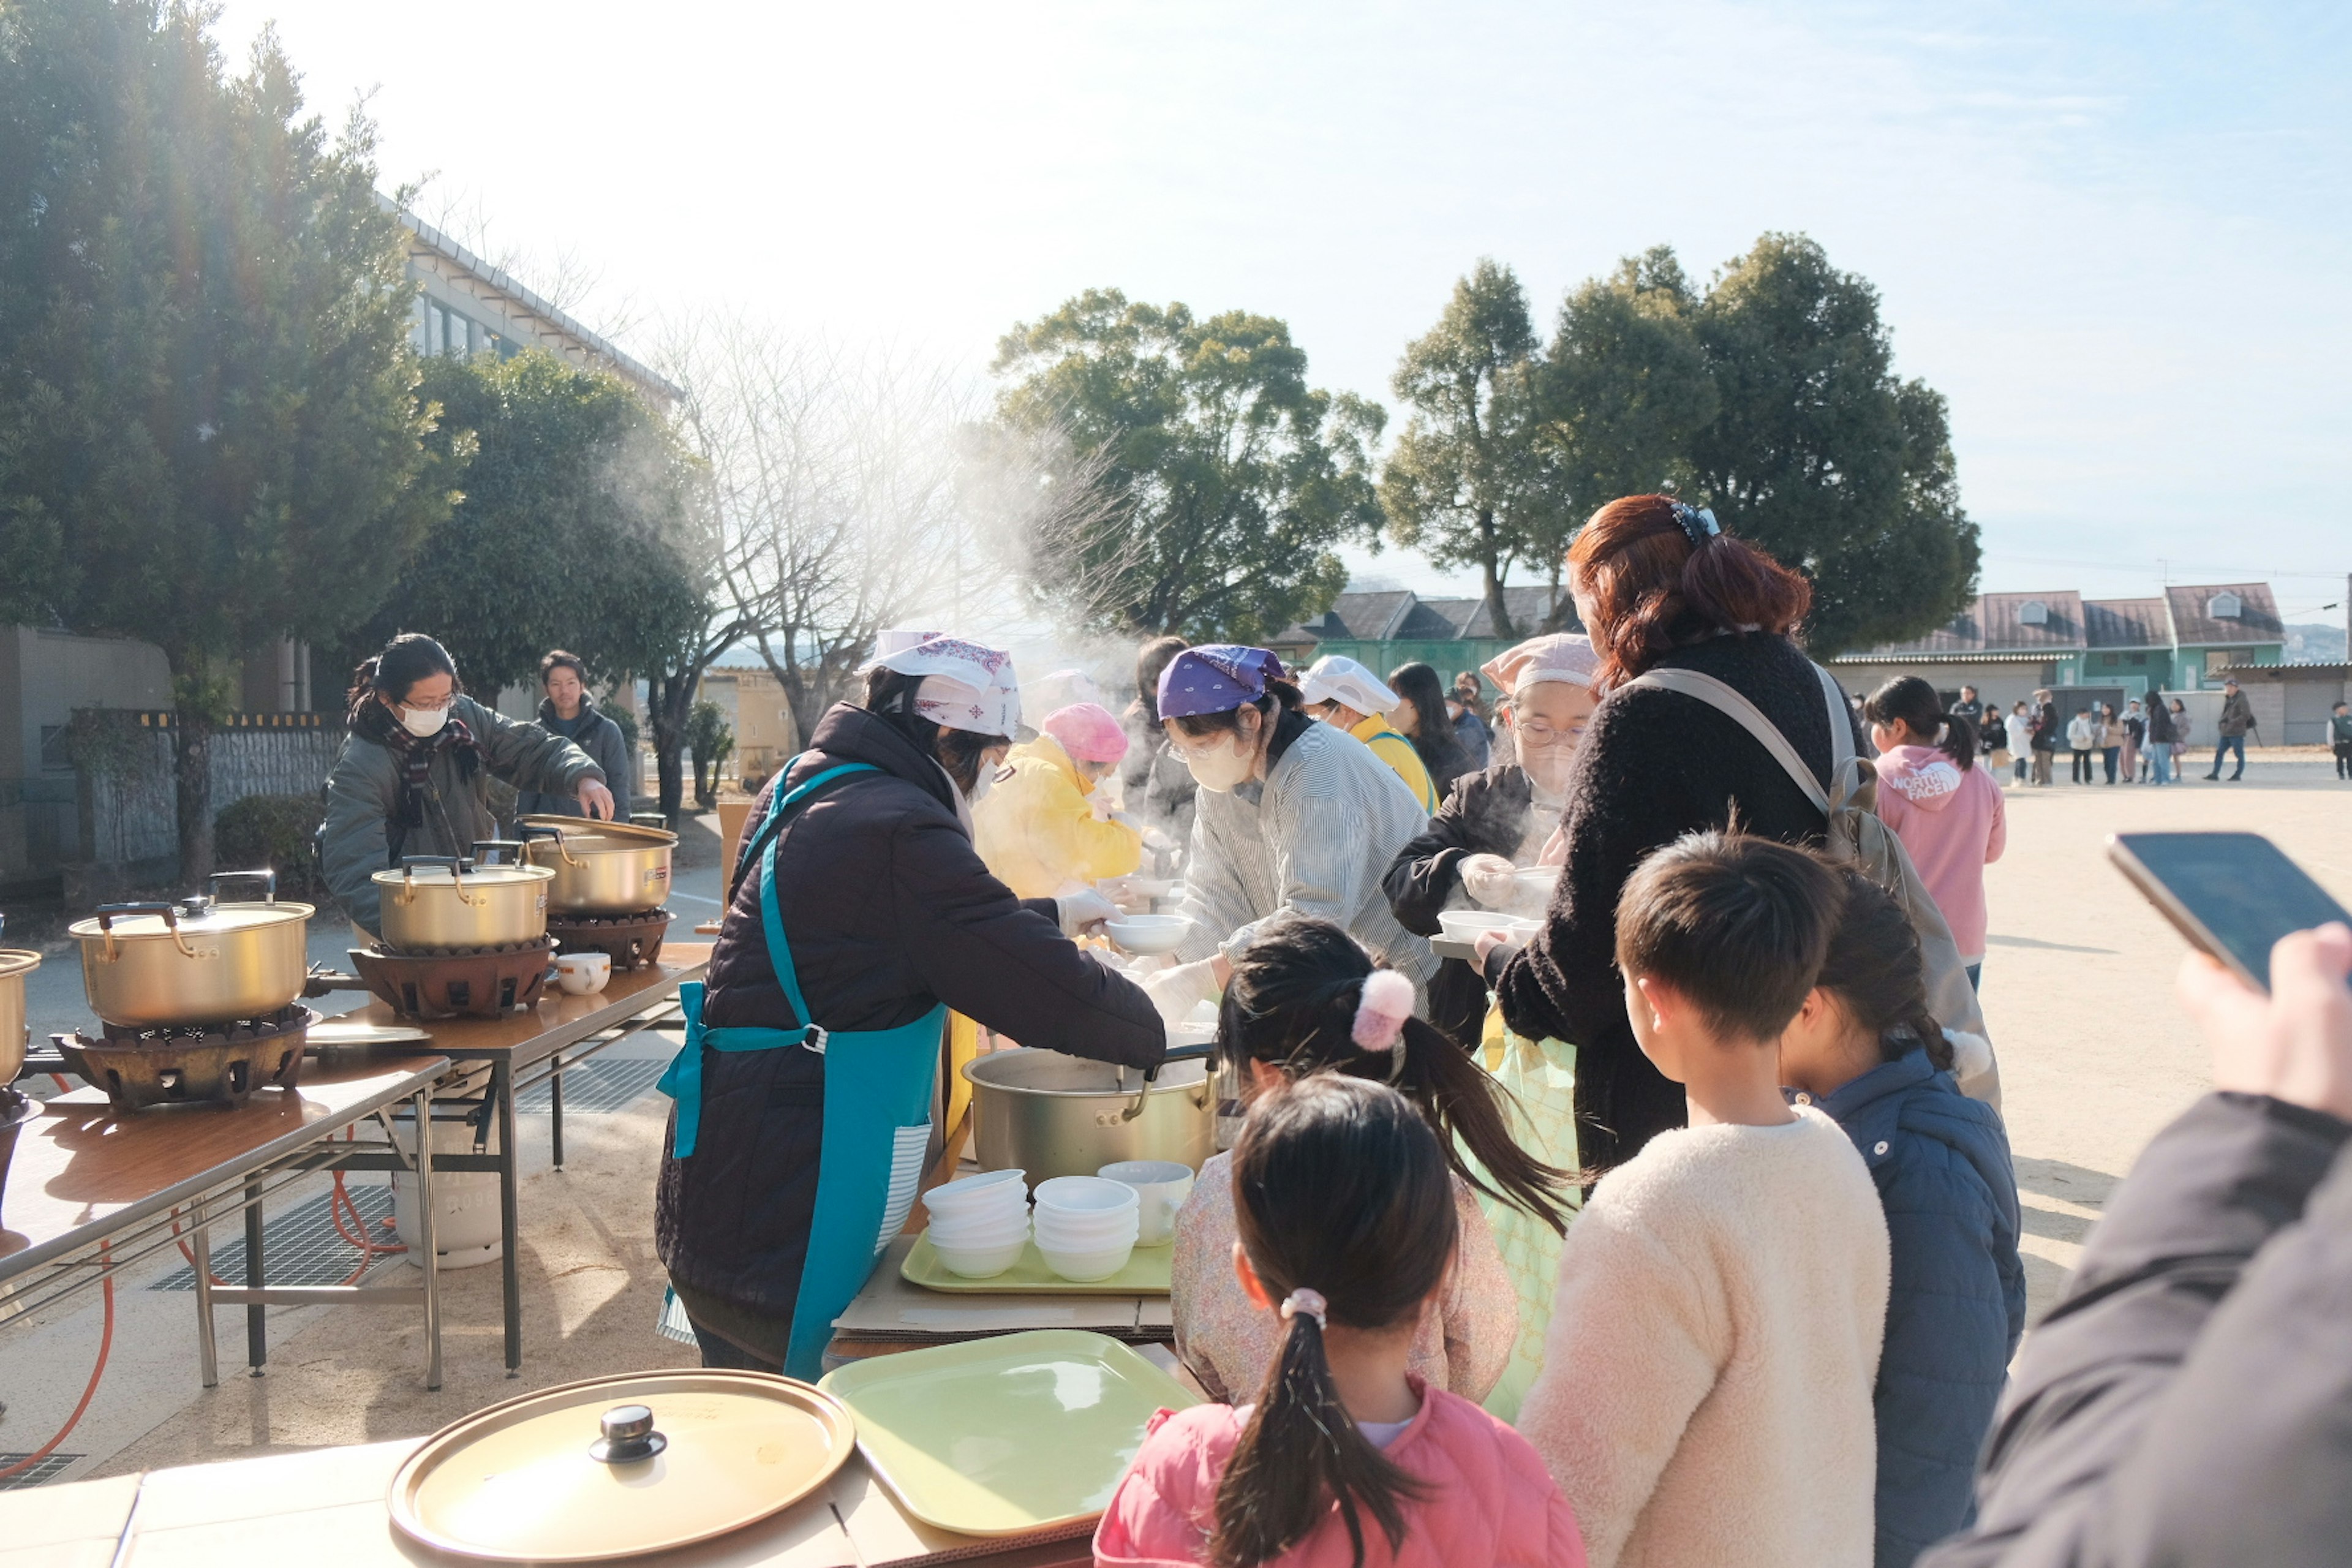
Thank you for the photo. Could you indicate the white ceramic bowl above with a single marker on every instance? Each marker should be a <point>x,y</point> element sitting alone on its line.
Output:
<point>1099,1262</point>
<point>1538,879</point>
<point>1083,1196</point>
<point>1466,925</point>
<point>1087,1239</point>
<point>1147,934</point>
<point>1162,1186</point>
<point>584,973</point>
<point>980,1232</point>
<point>981,1262</point>
<point>987,1193</point>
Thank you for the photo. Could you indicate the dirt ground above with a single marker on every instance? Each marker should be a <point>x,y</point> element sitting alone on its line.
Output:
<point>2095,1058</point>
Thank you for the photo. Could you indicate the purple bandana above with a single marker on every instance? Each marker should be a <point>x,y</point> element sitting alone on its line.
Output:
<point>1215,677</point>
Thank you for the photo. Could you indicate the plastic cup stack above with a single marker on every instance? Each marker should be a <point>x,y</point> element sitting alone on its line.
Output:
<point>1086,1226</point>
<point>980,1224</point>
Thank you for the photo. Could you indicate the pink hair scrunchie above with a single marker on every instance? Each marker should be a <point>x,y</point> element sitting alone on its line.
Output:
<point>1310,1302</point>
<point>1380,1016</point>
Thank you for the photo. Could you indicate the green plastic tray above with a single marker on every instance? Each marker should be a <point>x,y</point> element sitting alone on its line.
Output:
<point>1146,1274</point>
<point>1004,1436</point>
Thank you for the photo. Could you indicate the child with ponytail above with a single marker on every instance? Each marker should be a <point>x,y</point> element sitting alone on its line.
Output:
<point>1348,1219</point>
<point>1948,811</point>
<point>1304,998</point>
<point>1865,1050</point>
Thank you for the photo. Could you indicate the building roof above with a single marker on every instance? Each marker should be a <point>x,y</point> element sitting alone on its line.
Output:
<point>523,304</point>
<point>1362,618</point>
<point>1997,623</point>
<point>1438,620</point>
<point>1529,607</point>
<point>2194,624</point>
<point>2125,623</point>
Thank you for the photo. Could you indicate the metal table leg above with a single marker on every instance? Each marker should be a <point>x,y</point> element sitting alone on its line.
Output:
<point>257,1327</point>
<point>555,1105</point>
<point>426,1239</point>
<point>510,1220</point>
<point>200,1244</point>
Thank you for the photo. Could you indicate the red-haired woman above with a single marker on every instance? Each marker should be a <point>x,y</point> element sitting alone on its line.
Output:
<point>1659,584</point>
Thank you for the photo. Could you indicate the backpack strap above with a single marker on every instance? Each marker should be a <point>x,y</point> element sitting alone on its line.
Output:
<point>1724,699</point>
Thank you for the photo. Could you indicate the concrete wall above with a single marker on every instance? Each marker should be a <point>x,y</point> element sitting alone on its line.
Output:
<point>129,820</point>
<point>44,676</point>
<point>2003,683</point>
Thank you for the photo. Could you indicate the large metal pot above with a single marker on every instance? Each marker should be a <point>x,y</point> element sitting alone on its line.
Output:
<point>14,964</point>
<point>601,868</point>
<point>440,903</point>
<point>195,962</point>
<point>1055,1115</point>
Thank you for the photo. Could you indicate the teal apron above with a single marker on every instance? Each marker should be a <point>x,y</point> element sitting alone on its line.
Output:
<point>876,1121</point>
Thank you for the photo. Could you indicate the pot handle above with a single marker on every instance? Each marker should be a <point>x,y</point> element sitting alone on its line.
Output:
<point>170,914</point>
<point>1151,1074</point>
<point>458,867</point>
<point>510,847</point>
<point>529,831</point>
<point>268,883</point>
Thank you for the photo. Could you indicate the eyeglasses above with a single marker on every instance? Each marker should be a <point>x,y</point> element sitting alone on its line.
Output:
<point>424,706</point>
<point>1194,750</point>
<point>1537,733</point>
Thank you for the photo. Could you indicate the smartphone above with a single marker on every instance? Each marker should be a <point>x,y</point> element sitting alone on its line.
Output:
<point>2233,895</point>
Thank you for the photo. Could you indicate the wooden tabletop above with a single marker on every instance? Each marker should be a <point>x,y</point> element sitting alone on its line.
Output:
<point>328,1505</point>
<point>80,1171</point>
<point>561,1019</point>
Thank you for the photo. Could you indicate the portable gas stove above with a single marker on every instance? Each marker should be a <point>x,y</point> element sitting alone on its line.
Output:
<point>474,983</point>
<point>631,941</point>
<point>193,1064</point>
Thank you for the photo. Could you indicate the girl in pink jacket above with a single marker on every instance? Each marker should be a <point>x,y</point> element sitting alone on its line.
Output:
<point>1348,1225</point>
<point>1946,810</point>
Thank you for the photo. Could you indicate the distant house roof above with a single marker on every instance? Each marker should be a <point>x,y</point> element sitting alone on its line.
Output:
<point>519,304</point>
<point>1399,615</point>
<point>1362,618</point>
<point>1997,623</point>
<point>1529,607</point>
<point>2195,624</point>
<point>1457,614</point>
<point>2125,623</point>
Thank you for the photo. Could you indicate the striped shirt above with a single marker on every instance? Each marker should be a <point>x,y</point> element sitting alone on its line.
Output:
<point>1315,837</point>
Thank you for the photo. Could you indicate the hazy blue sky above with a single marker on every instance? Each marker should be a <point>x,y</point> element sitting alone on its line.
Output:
<point>2113,235</point>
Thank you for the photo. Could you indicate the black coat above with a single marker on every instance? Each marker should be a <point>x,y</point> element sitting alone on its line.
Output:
<point>2189,1401</point>
<point>1485,813</point>
<point>1653,766</point>
<point>889,913</point>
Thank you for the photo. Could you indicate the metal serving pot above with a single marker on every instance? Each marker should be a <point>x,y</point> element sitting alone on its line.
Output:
<point>438,903</point>
<point>601,868</point>
<point>1055,1115</point>
<point>14,964</point>
<point>195,962</point>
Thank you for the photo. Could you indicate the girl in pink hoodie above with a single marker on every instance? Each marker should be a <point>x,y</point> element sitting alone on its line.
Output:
<point>1945,809</point>
<point>1346,1223</point>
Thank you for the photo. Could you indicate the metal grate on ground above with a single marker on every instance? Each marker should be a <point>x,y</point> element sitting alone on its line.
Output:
<point>300,1245</point>
<point>48,1470</point>
<point>597,1087</point>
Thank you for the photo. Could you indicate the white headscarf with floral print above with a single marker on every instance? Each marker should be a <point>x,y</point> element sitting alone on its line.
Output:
<point>964,684</point>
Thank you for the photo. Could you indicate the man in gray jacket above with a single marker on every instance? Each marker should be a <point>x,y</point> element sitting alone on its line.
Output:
<point>569,711</point>
<point>413,776</point>
<point>2237,718</point>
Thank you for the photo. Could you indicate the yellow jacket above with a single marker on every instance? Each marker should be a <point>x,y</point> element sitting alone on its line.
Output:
<point>1038,835</point>
<point>1397,752</point>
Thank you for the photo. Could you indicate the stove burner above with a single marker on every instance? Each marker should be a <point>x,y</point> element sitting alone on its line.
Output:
<point>479,982</point>
<point>191,1064</point>
<point>631,941</point>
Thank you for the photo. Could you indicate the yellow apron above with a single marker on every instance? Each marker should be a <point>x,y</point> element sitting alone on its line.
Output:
<point>1541,1077</point>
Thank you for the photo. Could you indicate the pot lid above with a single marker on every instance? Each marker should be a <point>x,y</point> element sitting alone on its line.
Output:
<point>580,830</point>
<point>16,961</point>
<point>194,918</point>
<point>475,876</point>
<point>617,1466</point>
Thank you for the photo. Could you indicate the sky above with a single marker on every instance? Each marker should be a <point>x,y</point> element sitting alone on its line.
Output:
<point>2113,235</point>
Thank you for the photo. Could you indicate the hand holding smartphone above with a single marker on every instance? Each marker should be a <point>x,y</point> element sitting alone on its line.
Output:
<point>2233,895</point>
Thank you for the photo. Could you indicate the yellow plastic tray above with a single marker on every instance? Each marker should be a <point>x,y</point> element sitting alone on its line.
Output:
<point>1004,1436</point>
<point>1146,1274</point>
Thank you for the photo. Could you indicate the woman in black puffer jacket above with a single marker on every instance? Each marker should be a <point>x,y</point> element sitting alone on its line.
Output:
<point>1658,585</point>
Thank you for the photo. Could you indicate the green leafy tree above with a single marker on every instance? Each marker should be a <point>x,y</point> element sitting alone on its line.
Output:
<point>1819,454</point>
<point>1237,477</point>
<point>711,742</point>
<point>1469,483</point>
<point>1624,389</point>
<point>209,431</point>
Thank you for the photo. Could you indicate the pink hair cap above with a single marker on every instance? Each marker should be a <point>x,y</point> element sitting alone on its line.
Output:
<point>1087,732</point>
<point>1380,1016</point>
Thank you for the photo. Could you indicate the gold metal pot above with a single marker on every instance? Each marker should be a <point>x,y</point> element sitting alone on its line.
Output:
<point>195,962</point>
<point>1057,1115</point>
<point>14,964</point>
<point>601,868</point>
<point>438,903</point>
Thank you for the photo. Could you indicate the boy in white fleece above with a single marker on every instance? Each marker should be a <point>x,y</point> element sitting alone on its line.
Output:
<point>1706,1391</point>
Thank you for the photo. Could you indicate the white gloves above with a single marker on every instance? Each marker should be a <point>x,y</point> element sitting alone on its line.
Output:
<point>1176,992</point>
<point>1488,879</point>
<point>1084,909</point>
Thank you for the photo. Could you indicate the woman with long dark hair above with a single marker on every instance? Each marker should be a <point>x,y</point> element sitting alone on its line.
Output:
<point>1419,714</point>
<point>1948,811</point>
<point>1346,1221</point>
<point>413,777</point>
<point>1306,998</point>
<point>858,915</point>
<point>1659,584</point>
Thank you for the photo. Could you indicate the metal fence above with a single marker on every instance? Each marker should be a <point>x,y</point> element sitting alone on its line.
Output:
<point>128,806</point>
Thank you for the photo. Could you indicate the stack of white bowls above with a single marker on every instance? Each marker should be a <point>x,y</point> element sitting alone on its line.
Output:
<point>980,1224</point>
<point>1086,1226</point>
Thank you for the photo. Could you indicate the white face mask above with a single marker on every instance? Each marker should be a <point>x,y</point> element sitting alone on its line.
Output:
<point>423,723</point>
<point>982,782</point>
<point>1223,770</point>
